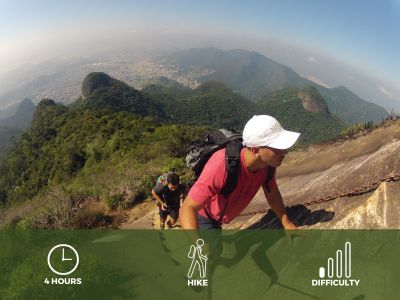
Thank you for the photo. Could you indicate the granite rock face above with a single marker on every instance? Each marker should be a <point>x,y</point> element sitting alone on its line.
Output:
<point>313,102</point>
<point>332,169</point>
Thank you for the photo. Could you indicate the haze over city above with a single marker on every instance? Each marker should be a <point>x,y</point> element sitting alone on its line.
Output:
<point>351,43</point>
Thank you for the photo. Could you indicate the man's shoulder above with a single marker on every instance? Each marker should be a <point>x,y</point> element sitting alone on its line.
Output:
<point>214,168</point>
<point>218,157</point>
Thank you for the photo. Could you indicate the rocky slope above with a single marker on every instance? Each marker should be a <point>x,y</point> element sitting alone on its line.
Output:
<point>353,170</point>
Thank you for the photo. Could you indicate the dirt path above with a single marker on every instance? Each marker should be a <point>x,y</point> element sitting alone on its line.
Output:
<point>144,216</point>
<point>141,216</point>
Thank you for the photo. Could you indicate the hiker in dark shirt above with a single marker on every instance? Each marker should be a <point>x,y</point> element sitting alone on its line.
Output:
<point>169,194</point>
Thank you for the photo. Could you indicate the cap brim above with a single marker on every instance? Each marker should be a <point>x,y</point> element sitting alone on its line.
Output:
<point>285,140</point>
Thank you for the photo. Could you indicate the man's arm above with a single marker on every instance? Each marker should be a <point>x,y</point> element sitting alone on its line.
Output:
<point>209,184</point>
<point>158,199</point>
<point>188,213</point>
<point>275,200</point>
<point>188,220</point>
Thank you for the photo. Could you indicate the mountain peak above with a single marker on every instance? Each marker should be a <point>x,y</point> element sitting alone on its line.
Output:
<point>26,105</point>
<point>102,90</point>
<point>46,102</point>
<point>93,81</point>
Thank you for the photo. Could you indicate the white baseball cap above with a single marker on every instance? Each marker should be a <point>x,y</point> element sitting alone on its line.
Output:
<point>265,130</point>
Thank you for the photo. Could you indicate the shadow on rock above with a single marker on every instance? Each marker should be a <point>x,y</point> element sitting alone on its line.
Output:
<point>299,214</point>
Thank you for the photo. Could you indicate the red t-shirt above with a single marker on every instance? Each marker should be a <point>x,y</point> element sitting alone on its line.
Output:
<point>213,178</point>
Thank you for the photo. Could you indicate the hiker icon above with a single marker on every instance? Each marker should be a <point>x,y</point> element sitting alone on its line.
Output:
<point>198,259</point>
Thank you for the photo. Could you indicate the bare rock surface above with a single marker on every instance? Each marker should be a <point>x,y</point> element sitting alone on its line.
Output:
<point>337,169</point>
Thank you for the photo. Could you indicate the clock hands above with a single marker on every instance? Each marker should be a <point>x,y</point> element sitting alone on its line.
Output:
<point>63,258</point>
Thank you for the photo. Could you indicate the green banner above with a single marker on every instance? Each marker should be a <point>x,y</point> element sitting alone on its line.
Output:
<point>213,264</point>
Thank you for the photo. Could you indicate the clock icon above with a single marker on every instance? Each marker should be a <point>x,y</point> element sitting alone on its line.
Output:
<point>63,255</point>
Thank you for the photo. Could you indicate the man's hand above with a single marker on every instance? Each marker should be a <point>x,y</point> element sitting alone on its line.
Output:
<point>160,203</point>
<point>275,200</point>
<point>289,227</point>
<point>287,223</point>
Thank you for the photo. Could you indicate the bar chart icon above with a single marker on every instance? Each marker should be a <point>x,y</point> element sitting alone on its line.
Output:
<point>338,266</point>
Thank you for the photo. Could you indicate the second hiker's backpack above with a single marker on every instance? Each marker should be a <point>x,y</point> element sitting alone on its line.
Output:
<point>162,178</point>
<point>197,156</point>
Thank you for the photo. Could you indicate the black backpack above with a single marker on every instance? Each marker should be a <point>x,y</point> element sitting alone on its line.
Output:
<point>197,157</point>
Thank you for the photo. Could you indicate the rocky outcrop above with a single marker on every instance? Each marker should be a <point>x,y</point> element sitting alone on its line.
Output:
<point>93,81</point>
<point>313,101</point>
<point>377,211</point>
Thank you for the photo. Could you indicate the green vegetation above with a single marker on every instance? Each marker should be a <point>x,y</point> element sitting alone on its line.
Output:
<point>216,105</point>
<point>7,136</point>
<point>104,152</point>
<point>70,155</point>
<point>363,128</point>
<point>210,104</point>
<point>357,128</point>
<point>286,105</point>
<point>101,90</point>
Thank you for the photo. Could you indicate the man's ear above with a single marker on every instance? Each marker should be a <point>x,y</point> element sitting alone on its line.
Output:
<point>255,151</point>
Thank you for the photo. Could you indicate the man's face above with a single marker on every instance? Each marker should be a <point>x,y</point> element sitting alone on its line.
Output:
<point>172,187</point>
<point>271,156</point>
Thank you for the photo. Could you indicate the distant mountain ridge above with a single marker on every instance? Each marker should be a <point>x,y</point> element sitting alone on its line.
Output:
<point>250,73</point>
<point>254,76</point>
<point>8,111</point>
<point>213,103</point>
<point>7,135</point>
<point>22,116</point>
<point>17,120</point>
<point>241,70</point>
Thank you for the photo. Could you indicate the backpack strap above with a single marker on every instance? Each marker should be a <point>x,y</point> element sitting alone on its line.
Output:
<point>163,178</point>
<point>232,166</point>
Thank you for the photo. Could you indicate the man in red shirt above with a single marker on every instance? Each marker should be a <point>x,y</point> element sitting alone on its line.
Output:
<point>265,145</point>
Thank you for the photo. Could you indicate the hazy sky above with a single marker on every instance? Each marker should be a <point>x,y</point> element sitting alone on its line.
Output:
<point>363,35</point>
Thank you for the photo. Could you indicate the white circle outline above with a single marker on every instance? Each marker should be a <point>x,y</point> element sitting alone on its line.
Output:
<point>63,245</point>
